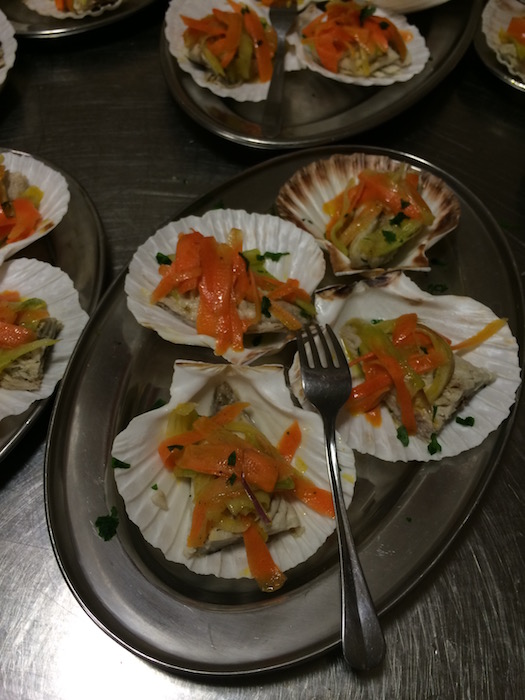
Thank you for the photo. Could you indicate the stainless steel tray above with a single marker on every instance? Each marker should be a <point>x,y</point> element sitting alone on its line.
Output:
<point>32,25</point>
<point>76,246</point>
<point>320,111</point>
<point>404,515</point>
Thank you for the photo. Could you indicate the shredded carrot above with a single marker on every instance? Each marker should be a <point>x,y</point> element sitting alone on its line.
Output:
<point>484,334</point>
<point>262,566</point>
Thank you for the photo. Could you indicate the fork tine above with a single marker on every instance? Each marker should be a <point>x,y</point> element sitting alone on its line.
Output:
<point>339,352</point>
<point>313,346</point>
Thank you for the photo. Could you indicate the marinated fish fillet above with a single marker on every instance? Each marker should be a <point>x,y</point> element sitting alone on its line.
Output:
<point>466,380</point>
<point>281,514</point>
<point>186,307</point>
<point>26,372</point>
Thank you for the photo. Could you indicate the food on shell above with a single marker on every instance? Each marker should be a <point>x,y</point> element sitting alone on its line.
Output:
<point>503,24</point>
<point>238,67</point>
<point>270,269</point>
<point>353,43</point>
<point>8,47</point>
<point>158,500</point>
<point>76,9</point>
<point>34,377</point>
<point>35,198</point>
<point>370,212</point>
<point>476,383</point>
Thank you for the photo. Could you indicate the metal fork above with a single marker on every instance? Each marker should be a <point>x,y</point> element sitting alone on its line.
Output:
<point>282,17</point>
<point>327,385</point>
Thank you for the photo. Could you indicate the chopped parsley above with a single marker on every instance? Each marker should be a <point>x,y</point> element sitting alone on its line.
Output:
<point>468,420</point>
<point>389,236</point>
<point>232,459</point>
<point>402,436</point>
<point>163,259</point>
<point>107,524</point>
<point>155,487</point>
<point>119,464</point>
<point>437,288</point>
<point>275,257</point>
<point>433,445</point>
<point>366,12</point>
<point>398,219</point>
<point>231,479</point>
<point>265,306</point>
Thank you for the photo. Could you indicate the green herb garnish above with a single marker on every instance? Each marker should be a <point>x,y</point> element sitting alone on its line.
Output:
<point>107,524</point>
<point>402,436</point>
<point>433,445</point>
<point>119,464</point>
<point>468,420</point>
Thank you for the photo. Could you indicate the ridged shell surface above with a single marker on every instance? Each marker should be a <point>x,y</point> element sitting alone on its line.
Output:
<point>9,46</point>
<point>417,48</point>
<point>174,30</point>
<point>34,278</point>
<point>267,233</point>
<point>55,200</point>
<point>496,17</point>
<point>455,317</point>
<point>272,411</point>
<point>302,197</point>
<point>49,9</point>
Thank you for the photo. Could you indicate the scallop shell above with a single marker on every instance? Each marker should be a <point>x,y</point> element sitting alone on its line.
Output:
<point>34,278</point>
<point>265,389</point>
<point>265,232</point>
<point>405,6</point>
<point>496,16</point>
<point>55,200</point>
<point>48,9</point>
<point>457,318</point>
<point>302,197</point>
<point>174,29</point>
<point>417,49</point>
<point>8,47</point>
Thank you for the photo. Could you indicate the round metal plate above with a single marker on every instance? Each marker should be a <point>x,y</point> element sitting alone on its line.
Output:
<point>318,110</point>
<point>404,516</point>
<point>28,23</point>
<point>76,246</point>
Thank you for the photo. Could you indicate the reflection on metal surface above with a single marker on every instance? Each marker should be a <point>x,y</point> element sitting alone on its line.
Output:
<point>404,517</point>
<point>318,110</point>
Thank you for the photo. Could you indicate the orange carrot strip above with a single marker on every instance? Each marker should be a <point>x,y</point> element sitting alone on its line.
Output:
<point>484,334</point>
<point>316,498</point>
<point>260,562</point>
<point>290,441</point>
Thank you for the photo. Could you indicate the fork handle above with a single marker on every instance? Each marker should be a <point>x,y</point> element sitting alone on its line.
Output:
<point>361,634</point>
<point>273,108</point>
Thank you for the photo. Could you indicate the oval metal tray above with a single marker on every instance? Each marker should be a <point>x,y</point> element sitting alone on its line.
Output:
<point>404,515</point>
<point>318,110</point>
<point>76,246</point>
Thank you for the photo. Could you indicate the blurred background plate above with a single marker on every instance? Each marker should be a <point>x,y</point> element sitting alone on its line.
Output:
<point>30,24</point>
<point>76,246</point>
<point>318,110</point>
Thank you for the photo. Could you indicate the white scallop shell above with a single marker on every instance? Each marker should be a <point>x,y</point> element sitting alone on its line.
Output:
<point>55,200</point>
<point>48,9</point>
<point>457,318</point>
<point>8,47</point>
<point>34,278</point>
<point>265,389</point>
<point>174,29</point>
<point>405,6</point>
<point>417,49</point>
<point>496,16</point>
<point>302,197</point>
<point>267,233</point>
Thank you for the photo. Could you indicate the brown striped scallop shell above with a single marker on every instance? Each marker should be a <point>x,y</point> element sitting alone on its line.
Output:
<point>302,197</point>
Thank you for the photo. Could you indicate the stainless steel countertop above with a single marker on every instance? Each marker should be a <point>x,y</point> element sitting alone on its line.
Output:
<point>99,108</point>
